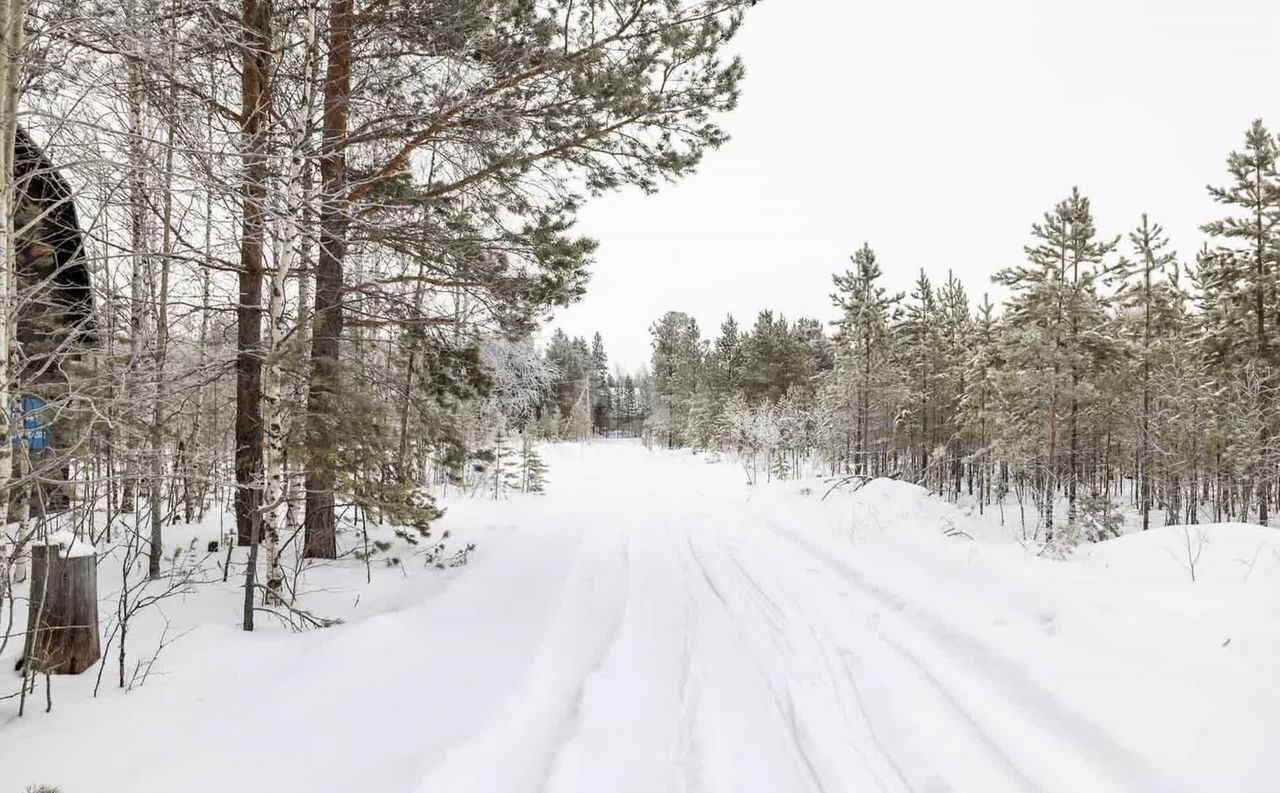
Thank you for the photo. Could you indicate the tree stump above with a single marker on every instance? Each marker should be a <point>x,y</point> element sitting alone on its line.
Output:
<point>62,618</point>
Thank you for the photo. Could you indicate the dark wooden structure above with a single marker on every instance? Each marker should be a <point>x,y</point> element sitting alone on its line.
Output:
<point>55,305</point>
<point>54,322</point>
<point>51,263</point>
<point>62,621</point>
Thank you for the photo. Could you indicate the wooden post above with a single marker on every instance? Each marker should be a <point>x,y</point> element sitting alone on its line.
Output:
<point>62,621</point>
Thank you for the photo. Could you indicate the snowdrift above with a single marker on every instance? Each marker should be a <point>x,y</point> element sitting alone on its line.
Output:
<point>899,507</point>
<point>1212,553</point>
<point>883,510</point>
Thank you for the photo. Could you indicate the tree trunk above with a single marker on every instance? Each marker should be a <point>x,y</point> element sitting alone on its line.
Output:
<point>286,240</point>
<point>1145,452</point>
<point>11,45</point>
<point>138,261</point>
<point>160,389</point>
<point>321,534</point>
<point>1073,465</point>
<point>1263,244</point>
<point>1050,485</point>
<point>251,569</point>
<point>255,101</point>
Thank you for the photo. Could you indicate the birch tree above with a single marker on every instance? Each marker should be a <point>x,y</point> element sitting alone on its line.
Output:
<point>286,241</point>
<point>12,28</point>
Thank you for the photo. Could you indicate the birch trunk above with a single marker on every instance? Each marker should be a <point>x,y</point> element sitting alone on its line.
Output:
<point>159,391</point>
<point>138,259</point>
<point>202,362</point>
<point>286,241</point>
<point>11,45</point>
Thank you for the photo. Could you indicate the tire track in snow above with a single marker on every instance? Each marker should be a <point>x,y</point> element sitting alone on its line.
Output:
<point>706,576</point>
<point>831,639</point>
<point>869,725</point>
<point>778,614</point>
<point>639,728</point>
<point>992,746</point>
<point>797,734</point>
<point>830,750</point>
<point>688,762</point>
<point>819,645</point>
<point>738,619</point>
<point>570,726</point>
<point>995,672</point>
<point>507,757</point>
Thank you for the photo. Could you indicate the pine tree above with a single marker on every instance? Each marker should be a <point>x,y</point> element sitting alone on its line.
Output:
<point>1054,314</point>
<point>702,425</point>
<point>677,361</point>
<point>979,410</point>
<point>775,357</point>
<point>533,470</point>
<point>571,360</point>
<point>1147,300</point>
<point>816,347</point>
<point>724,363</point>
<point>862,345</point>
<point>916,346</point>
<point>955,341</point>
<point>505,472</point>
<point>1242,284</point>
<point>629,412</point>
<point>601,385</point>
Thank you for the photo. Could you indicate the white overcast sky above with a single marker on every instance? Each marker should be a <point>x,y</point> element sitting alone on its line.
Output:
<point>938,131</point>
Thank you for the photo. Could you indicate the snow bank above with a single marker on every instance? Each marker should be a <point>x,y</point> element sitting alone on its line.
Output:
<point>886,510</point>
<point>1217,553</point>
<point>900,507</point>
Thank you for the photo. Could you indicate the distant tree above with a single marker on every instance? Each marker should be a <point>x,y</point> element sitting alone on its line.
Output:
<point>724,364</point>
<point>1096,380</point>
<point>601,385</point>
<point>862,345</point>
<point>917,347</point>
<point>774,358</point>
<point>956,342</point>
<point>979,410</point>
<point>571,360</point>
<point>818,347</point>
<point>677,363</point>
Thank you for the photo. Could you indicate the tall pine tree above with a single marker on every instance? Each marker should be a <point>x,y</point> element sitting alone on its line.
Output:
<point>1240,282</point>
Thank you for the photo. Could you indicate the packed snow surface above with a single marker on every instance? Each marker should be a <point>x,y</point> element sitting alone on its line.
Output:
<point>655,624</point>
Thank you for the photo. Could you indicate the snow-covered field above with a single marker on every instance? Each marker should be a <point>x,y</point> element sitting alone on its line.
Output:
<point>654,624</point>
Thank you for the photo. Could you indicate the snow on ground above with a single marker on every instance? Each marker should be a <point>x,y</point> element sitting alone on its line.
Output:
<point>654,624</point>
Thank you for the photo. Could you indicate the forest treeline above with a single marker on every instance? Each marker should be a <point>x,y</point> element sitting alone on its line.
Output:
<point>1117,377</point>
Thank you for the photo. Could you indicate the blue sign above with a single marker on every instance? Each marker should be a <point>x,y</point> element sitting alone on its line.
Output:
<point>34,429</point>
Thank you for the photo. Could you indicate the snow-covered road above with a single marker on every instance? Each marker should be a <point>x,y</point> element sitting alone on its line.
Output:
<point>698,645</point>
<point>655,625</point>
